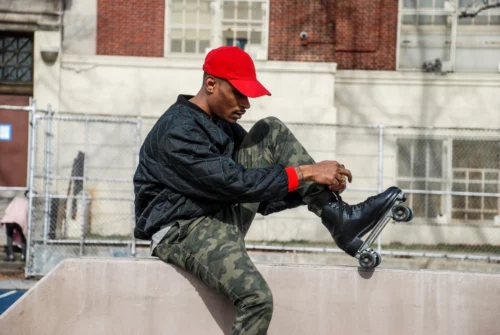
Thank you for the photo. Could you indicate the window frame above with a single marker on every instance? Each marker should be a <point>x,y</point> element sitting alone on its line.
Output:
<point>455,35</point>
<point>448,181</point>
<point>468,181</point>
<point>427,178</point>
<point>217,25</point>
<point>22,88</point>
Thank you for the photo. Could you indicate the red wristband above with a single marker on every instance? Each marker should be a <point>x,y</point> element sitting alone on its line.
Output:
<point>293,179</point>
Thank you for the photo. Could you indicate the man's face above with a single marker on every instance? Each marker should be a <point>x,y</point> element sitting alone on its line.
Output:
<point>225,101</point>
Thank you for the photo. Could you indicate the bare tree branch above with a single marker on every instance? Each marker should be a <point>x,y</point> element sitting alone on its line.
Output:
<point>472,12</point>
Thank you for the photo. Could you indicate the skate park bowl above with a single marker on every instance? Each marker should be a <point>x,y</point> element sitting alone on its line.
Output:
<point>147,296</point>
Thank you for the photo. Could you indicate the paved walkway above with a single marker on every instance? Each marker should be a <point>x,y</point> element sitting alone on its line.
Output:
<point>8,297</point>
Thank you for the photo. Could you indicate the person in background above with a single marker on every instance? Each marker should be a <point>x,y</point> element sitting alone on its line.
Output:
<point>16,225</point>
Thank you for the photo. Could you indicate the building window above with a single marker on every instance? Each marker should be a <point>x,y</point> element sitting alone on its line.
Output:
<point>16,58</point>
<point>243,23</point>
<point>464,176</point>
<point>420,167</point>
<point>426,35</point>
<point>485,18</point>
<point>424,13</point>
<point>190,26</point>
<point>476,169</point>
<point>195,26</point>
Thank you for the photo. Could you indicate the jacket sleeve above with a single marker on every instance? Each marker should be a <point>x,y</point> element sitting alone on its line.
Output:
<point>291,200</point>
<point>201,168</point>
<point>239,135</point>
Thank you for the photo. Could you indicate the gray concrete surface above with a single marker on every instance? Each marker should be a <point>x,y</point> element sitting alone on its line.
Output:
<point>146,296</point>
<point>17,284</point>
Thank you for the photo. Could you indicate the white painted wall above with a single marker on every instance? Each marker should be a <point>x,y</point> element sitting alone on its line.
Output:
<point>142,86</point>
<point>80,27</point>
<point>418,99</point>
<point>46,75</point>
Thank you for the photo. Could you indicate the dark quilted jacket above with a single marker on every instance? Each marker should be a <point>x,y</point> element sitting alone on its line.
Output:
<point>186,170</point>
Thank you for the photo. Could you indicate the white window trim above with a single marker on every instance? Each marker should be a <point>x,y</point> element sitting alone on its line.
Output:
<point>216,7</point>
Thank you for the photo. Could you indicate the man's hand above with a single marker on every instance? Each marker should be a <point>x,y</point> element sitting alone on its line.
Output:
<point>330,173</point>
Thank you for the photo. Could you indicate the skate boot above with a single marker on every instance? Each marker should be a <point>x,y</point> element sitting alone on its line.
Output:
<point>347,224</point>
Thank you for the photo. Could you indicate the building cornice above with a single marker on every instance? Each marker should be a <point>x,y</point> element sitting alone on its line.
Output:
<point>86,62</point>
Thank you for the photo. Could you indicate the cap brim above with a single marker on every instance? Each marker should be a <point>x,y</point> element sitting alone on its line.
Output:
<point>250,88</point>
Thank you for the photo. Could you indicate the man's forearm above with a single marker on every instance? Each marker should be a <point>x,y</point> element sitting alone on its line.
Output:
<point>304,173</point>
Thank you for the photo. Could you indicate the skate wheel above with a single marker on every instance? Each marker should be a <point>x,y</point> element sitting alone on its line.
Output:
<point>378,259</point>
<point>368,260</point>
<point>411,215</point>
<point>401,213</point>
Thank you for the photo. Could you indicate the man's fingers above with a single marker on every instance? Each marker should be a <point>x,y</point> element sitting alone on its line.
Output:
<point>337,188</point>
<point>344,173</point>
<point>347,173</point>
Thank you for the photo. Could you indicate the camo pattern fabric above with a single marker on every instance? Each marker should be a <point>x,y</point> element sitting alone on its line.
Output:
<point>213,248</point>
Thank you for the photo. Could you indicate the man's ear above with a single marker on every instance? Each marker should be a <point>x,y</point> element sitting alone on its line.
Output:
<point>210,83</point>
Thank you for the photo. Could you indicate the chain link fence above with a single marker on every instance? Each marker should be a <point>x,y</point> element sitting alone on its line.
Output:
<point>82,199</point>
<point>82,195</point>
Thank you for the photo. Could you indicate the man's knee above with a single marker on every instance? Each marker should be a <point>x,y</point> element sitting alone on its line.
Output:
<point>269,127</point>
<point>267,305</point>
<point>273,121</point>
<point>260,300</point>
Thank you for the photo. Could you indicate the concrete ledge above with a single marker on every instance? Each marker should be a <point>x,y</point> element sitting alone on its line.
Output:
<point>146,296</point>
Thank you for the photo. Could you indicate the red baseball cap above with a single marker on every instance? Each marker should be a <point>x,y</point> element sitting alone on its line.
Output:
<point>236,66</point>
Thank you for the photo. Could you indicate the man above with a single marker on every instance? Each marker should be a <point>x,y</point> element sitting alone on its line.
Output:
<point>202,178</point>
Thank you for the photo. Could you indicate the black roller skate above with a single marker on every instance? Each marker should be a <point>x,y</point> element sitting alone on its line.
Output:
<point>348,224</point>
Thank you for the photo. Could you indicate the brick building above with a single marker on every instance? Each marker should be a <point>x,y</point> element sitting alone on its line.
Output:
<point>358,35</point>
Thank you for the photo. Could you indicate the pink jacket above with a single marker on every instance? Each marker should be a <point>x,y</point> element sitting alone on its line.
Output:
<point>17,212</point>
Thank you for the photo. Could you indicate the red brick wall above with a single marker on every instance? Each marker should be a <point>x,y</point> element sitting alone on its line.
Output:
<point>356,34</point>
<point>130,27</point>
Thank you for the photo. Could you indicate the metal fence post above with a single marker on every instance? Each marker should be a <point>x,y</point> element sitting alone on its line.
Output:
<point>31,178</point>
<point>380,182</point>
<point>48,173</point>
<point>138,148</point>
<point>84,185</point>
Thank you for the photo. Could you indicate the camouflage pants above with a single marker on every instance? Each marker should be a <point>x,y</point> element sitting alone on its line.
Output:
<point>213,248</point>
